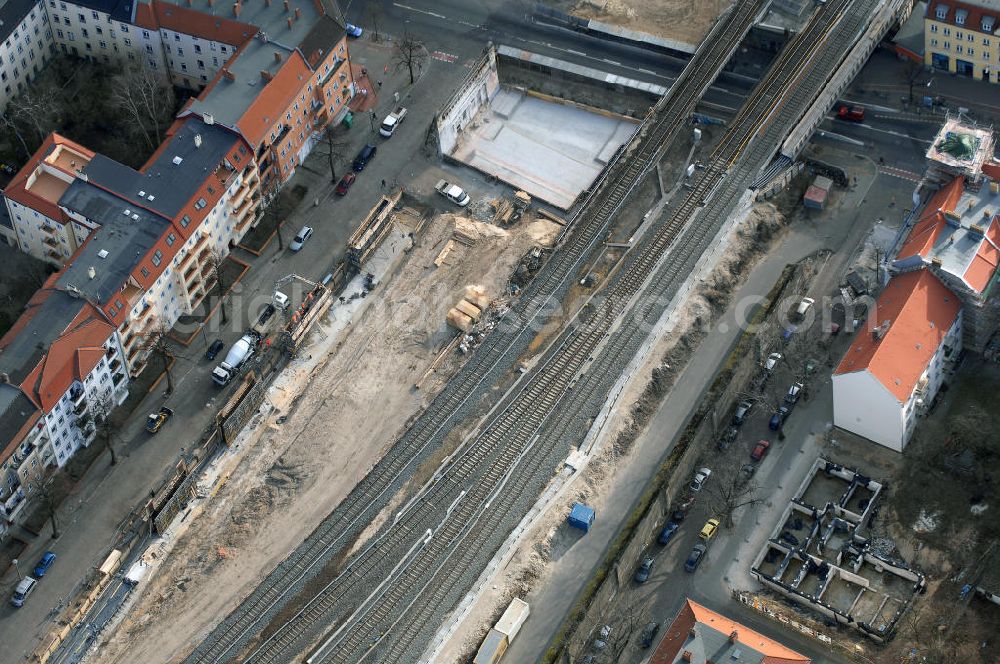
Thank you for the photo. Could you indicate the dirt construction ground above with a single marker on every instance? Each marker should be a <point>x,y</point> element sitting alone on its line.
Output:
<point>297,472</point>
<point>683,20</point>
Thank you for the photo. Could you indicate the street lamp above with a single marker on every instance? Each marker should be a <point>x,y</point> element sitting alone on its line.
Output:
<point>16,569</point>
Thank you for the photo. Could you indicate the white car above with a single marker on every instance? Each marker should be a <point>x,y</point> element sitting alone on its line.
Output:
<point>772,362</point>
<point>300,238</point>
<point>700,478</point>
<point>804,306</point>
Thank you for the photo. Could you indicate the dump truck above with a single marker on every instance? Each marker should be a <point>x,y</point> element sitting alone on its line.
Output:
<point>237,356</point>
<point>452,192</point>
<point>392,121</point>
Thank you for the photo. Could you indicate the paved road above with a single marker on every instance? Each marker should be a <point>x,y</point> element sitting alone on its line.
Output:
<point>90,517</point>
<point>661,598</point>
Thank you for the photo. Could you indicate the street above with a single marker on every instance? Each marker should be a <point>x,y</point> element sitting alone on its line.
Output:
<point>455,32</point>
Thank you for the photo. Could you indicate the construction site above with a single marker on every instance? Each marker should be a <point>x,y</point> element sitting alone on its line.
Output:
<point>463,369</point>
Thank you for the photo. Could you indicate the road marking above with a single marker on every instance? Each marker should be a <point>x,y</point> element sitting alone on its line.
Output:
<point>569,50</point>
<point>899,173</point>
<point>648,71</point>
<point>470,25</point>
<point>444,57</point>
<point>419,11</point>
<point>612,62</point>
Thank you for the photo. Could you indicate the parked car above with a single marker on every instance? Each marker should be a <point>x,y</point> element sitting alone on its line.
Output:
<point>728,438</point>
<point>668,532</point>
<point>353,30</point>
<point>649,634</point>
<point>345,183</point>
<point>695,557</point>
<point>771,362</point>
<point>778,418</point>
<point>851,113</point>
<point>44,564</point>
<point>678,516</point>
<point>804,306</point>
<point>700,478</point>
<point>793,394</point>
<point>760,450</point>
<point>214,349</point>
<point>25,587</point>
<point>742,411</point>
<point>366,154</point>
<point>709,529</point>
<point>645,569</point>
<point>155,421</point>
<point>300,238</point>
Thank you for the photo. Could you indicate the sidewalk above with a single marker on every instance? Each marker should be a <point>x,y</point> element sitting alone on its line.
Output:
<point>564,577</point>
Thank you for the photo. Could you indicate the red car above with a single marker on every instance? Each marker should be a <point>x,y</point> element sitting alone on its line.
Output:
<point>761,450</point>
<point>345,184</point>
<point>851,113</point>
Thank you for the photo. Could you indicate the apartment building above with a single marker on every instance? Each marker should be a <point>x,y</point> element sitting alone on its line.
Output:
<point>959,38</point>
<point>40,227</point>
<point>62,368</point>
<point>894,370</point>
<point>26,45</point>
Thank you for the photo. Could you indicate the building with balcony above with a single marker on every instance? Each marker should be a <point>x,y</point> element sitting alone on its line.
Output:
<point>61,369</point>
<point>894,369</point>
<point>957,236</point>
<point>40,226</point>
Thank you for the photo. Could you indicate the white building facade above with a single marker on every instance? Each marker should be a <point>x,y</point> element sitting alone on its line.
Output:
<point>892,372</point>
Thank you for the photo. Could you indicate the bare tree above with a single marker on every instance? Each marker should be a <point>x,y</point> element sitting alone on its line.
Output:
<point>146,99</point>
<point>410,54</point>
<point>50,502</point>
<point>35,112</point>
<point>337,148</point>
<point>106,429</point>
<point>731,488</point>
<point>374,17</point>
<point>216,262</point>
<point>11,127</point>
<point>156,342</point>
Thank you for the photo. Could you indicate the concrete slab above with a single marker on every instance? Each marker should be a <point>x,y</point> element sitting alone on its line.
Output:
<point>553,151</point>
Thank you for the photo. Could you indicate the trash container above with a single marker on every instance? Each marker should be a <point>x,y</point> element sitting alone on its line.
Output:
<point>349,120</point>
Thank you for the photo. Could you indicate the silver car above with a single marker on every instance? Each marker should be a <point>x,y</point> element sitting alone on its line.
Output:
<point>300,238</point>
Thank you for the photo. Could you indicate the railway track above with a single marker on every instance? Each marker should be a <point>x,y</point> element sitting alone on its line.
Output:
<point>495,358</point>
<point>503,445</point>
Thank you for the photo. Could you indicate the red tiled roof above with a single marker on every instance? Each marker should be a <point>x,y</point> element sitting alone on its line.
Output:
<point>193,22</point>
<point>70,357</point>
<point>920,311</point>
<point>932,220</point>
<point>991,169</point>
<point>17,190</point>
<point>694,617</point>
<point>984,263</point>
<point>270,105</point>
<point>974,19</point>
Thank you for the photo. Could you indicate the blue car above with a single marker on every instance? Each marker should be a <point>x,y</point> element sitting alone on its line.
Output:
<point>353,30</point>
<point>44,564</point>
<point>778,418</point>
<point>668,532</point>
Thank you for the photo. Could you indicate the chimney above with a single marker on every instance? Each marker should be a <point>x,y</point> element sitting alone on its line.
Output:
<point>91,272</point>
<point>734,636</point>
<point>265,74</point>
<point>211,3</point>
<point>228,74</point>
<point>686,655</point>
<point>208,118</point>
<point>277,56</point>
<point>298,13</point>
<point>197,140</point>
<point>286,5</point>
<point>4,378</point>
<point>236,9</point>
<point>290,19</point>
<point>267,3</point>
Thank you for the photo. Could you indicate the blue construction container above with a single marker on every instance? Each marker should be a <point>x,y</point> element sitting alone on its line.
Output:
<point>581,517</point>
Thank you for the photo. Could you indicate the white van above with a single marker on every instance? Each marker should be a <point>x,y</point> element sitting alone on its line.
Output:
<point>24,588</point>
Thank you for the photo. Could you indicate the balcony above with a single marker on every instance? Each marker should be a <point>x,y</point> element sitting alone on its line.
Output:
<point>13,502</point>
<point>77,393</point>
<point>117,378</point>
<point>50,241</point>
<point>53,254</point>
<point>20,456</point>
<point>115,364</point>
<point>81,408</point>
<point>49,230</point>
